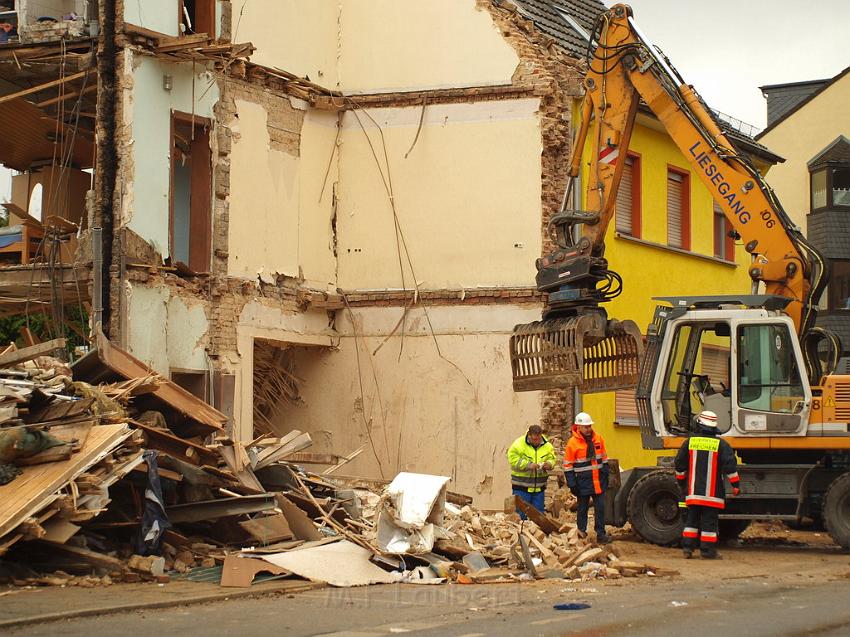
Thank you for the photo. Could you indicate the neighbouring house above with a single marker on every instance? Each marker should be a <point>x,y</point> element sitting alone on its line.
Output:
<point>670,238</point>
<point>808,123</point>
<point>324,215</point>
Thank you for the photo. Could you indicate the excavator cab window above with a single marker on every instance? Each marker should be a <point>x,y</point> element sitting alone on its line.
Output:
<point>697,374</point>
<point>768,375</point>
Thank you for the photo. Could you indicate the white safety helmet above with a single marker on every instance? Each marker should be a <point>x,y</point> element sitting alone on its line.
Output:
<point>707,419</point>
<point>583,419</point>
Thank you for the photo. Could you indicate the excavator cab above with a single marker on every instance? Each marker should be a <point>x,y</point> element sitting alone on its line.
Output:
<point>731,355</point>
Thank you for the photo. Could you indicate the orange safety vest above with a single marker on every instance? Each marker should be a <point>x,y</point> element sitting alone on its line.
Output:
<point>586,469</point>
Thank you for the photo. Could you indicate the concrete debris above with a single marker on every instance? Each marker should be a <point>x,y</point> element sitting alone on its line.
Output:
<point>96,506</point>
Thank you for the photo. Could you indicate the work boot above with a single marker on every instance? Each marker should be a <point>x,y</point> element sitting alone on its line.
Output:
<point>603,539</point>
<point>712,555</point>
<point>687,553</point>
<point>582,535</point>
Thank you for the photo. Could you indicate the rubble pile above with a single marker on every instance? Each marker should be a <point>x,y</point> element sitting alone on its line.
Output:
<point>113,473</point>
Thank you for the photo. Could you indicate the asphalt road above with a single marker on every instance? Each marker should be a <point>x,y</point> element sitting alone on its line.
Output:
<point>753,607</point>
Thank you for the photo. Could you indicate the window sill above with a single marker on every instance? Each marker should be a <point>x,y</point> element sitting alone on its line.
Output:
<point>626,422</point>
<point>687,253</point>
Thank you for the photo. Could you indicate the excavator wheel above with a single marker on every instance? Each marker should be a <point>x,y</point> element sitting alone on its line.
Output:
<point>836,510</point>
<point>653,508</point>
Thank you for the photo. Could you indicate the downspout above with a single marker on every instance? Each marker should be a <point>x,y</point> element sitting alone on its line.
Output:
<point>107,155</point>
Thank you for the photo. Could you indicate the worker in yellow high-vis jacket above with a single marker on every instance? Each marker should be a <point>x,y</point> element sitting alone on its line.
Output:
<point>531,457</point>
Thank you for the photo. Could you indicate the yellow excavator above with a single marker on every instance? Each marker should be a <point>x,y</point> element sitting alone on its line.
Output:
<point>780,404</point>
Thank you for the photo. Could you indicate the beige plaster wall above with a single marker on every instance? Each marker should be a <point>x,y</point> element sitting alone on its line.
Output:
<point>419,412</point>
<point>802,136</point>
<point>165,331</point>
<point>398,45</point>
<point>145,181</point>
<point>280,220</point>
<point>296,35</point>
<point>467,195</point>
<point>155,15</point>
<point>264,191</point>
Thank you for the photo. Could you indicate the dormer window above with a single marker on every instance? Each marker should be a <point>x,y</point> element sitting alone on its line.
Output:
<point>830,177</point>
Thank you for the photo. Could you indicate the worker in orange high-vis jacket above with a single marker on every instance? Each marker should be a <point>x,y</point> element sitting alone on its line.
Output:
<point>586,471</point>
<point>702,461</point>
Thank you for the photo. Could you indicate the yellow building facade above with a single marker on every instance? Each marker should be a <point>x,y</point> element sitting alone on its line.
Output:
<point>662,202</point>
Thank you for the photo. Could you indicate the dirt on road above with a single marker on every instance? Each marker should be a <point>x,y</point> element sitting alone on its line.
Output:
<point>768,550</point>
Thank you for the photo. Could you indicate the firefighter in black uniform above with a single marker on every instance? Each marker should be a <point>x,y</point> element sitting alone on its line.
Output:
<point>702,461</point>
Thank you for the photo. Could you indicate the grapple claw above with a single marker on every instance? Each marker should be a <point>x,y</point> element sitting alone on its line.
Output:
<point>587,352</point>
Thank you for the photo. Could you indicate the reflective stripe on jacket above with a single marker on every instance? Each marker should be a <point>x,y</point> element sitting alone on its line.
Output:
<point>701,463</point>
<point>521,454</point>
<point>586,469</point>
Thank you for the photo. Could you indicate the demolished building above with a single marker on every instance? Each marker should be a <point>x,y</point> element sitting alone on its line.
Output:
<point>317,216</point>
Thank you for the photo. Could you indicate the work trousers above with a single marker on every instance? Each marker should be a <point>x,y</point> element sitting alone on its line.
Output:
<point>536,499</point>
<point>701,529</point>
<point>598,513</point>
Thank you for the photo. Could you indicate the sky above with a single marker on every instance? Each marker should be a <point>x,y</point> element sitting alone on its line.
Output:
<point>728,48</point>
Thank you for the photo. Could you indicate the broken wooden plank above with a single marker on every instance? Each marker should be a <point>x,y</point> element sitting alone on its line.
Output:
<point>91,369</point>
<point>98,560</point>
<point>280,452</point>
<point>163,473</point>
<point>546,524</point>
<point>237,461</point>
<point>308,457</point>
<point>170,444</point>
<point>59,531</point>
<point>38,486</point>
<point>28,353</point>
<point>41,87</point>
<point>344,460</point>
<point>268,528</point>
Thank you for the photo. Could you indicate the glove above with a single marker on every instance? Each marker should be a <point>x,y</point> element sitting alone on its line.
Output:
<point>547,466</point>
<point>736,491</point>
<point>532,466</point>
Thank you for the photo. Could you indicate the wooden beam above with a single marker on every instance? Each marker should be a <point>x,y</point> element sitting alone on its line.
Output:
<point>41,87</point>
<point>67,96</point>
<point>28,353</point>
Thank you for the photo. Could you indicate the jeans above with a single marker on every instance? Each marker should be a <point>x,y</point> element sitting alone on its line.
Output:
<point>598,513</point>
<point>536,499</point>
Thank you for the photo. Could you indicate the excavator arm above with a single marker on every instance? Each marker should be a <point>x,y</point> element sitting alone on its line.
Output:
<point>576,344</point>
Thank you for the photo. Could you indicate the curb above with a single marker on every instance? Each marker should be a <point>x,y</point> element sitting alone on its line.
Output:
<point>185,601</point>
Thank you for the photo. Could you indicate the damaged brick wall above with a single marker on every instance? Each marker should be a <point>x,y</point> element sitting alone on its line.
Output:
<point>228,295</point>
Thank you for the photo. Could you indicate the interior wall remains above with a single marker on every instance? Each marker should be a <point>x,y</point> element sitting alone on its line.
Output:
<point>145,178</point>
<point>450,412</point>
<point>182,340</point>
<point>466,190</point>
<point>435,44</point>
<point>154,15</point>
<point>281,189</point>
<point>298,36</point>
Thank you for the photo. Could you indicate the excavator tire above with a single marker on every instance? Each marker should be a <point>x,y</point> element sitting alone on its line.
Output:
<point>653,508</point>
<point>836,510</point>
<point>729,530</point>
